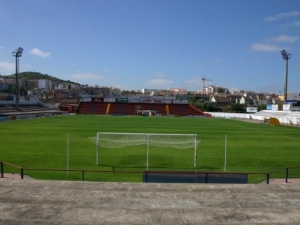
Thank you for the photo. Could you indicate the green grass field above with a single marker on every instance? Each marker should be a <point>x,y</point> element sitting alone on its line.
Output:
<point>42,143</point>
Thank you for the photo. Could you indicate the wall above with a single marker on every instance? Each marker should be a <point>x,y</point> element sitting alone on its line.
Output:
<point>290,119</point>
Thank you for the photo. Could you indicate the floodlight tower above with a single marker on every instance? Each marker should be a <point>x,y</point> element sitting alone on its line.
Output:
<point>286,56</point>
<point>17,53</point>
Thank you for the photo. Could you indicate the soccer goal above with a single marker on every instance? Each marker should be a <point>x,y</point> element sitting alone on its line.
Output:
<point>146,112</point>
<point>118,140</point>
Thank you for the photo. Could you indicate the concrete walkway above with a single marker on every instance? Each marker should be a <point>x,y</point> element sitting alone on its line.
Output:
<point>66,202</point>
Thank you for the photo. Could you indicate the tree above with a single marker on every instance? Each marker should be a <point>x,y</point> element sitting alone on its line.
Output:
<point>23,91</point>
<point>236,107</point>
<point>210,107</point>
<point>203,105</point>
<point>262,107</point>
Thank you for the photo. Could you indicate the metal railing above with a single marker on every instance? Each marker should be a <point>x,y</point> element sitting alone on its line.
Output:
<point>83,172</point>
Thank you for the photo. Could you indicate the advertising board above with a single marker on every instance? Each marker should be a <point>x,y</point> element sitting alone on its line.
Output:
<point>252,109</point>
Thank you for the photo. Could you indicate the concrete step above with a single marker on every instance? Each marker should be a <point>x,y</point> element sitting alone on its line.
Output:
<point>73,202</point>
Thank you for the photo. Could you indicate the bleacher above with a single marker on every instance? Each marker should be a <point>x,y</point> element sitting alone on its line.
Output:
<point>92,108</point>
<point>30,108</point>
<point>157,107</point>
<point>184,110</point>
<point>114,108</point>
<point>22,108</point>
<point>122,109</point>
<point>7,108</point>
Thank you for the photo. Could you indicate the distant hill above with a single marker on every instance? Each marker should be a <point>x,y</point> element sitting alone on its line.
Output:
<point>36,75</point>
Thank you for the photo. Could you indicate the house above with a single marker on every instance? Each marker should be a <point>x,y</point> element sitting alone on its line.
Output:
<point>276,100</point>
<point>215,89</point>
<point>263,99</point>
<point>235,98</point>
<point>222,101</point>
<point>247,100</point>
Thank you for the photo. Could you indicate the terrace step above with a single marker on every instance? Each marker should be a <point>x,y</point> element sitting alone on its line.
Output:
<point>74,202</point>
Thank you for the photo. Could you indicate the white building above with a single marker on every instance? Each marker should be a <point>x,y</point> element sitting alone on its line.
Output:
<point>44,84</point>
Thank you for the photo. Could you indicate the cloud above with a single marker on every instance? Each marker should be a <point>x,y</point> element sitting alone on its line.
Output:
<point>271,45</point>
<point>197,82</point>
<point>296,23</point>
<point>292,24</point>
<point>7,68</point>
<point>282,16</point>
<point>231,89</point>
<point>159,74</point>
<point>159,82</point>
<point>265,47</point>
<point>40,53</point>
<point>272,88</point>
<point>284,38</point>
<point>86,76</point>
<point>216,60</point>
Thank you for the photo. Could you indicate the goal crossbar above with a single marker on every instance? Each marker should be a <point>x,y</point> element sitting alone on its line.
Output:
<point>118,140</point>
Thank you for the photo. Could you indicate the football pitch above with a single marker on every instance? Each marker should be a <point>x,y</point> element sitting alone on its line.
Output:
<point>64,142</point>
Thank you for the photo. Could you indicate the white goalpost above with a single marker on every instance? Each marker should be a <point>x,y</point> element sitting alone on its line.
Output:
<point>118,140</point>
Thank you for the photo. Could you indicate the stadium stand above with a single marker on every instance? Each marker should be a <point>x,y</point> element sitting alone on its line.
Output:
<point>92,108</point>
<point>22,109</point>
<point>27,109</point>
<point>114,108</point>
<point>185,110</point>
<point>7,108</point>
<point>122,109</point>
<point>30,108</point>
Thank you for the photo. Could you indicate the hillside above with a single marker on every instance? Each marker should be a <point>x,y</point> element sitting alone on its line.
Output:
<point>36,75</point>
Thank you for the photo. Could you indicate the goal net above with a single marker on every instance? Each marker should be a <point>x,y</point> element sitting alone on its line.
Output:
<point>118,140</point>
<point>146,112</point>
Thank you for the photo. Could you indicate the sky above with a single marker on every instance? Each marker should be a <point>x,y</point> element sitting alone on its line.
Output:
<point>155,44</point>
